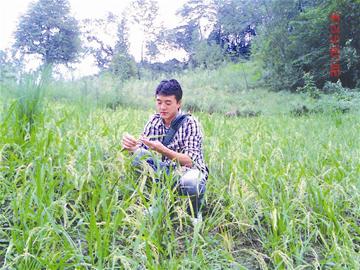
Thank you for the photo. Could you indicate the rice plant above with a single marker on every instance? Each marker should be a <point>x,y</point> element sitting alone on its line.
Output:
<point>283,193</point>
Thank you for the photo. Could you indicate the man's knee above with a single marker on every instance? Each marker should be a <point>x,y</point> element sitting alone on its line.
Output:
<point>191,183</point>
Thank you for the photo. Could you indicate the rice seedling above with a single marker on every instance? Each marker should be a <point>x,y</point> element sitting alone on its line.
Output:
<point>283,193</point>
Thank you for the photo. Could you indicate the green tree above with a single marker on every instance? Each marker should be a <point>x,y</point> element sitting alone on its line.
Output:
<point>184,37</point>
<point>225,20</point>
<point>201,14</point>
<point>123,64</point>
<point>122,43</point>
<point>295,39</point>
<point>99,35</point>
<point>144,15</point>
<point>197,17</point>
<point>48,30</point>
<point>235,26</point>
<point>207,55</point>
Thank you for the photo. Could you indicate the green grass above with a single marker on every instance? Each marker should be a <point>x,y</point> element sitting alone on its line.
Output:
<point>283,190</point>
<point>283,193</point>
<point>222,90</point>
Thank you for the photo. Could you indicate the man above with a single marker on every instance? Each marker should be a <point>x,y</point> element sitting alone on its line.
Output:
<point>185,147</point>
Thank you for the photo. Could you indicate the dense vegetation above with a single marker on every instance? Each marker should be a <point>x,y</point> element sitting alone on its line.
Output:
<point>283,191</point>
<point>281,141</point>
<point>290,38</point>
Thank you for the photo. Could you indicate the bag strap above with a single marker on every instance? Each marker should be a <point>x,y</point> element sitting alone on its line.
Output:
<point>174,127</point>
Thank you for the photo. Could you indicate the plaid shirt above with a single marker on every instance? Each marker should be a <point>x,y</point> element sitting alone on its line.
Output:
<point>187,140</point>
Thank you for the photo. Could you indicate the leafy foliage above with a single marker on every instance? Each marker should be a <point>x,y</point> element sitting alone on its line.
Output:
<point>309,86</point>
<point>295,40</point>
<point>8,66</point>
<point>70,200</point>
<point>123,66</point>
<point>208,56</point>
<point>47,29</point>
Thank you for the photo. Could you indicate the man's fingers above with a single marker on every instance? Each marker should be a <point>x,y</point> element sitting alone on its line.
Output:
<point>127,135</point>
<point>127,142</point>
<point>130,139</point>
<point>147,142</point>
<point>128,145</point>
<point>144,140</point>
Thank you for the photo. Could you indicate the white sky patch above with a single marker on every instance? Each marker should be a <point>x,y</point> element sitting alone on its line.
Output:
<point>96,9</point>
<point>10,12</point>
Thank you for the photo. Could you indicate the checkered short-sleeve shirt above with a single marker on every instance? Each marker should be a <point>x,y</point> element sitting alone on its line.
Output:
<point>187,140</point>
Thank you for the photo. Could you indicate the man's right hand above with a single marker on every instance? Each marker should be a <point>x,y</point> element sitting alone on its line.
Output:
<point>130,143</point>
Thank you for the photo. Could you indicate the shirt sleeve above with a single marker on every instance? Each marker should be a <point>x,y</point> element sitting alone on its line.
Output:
<point>148,130</point>
<point>192,140</point>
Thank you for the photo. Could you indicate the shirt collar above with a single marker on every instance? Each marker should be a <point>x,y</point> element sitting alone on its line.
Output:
<point>162,120</point>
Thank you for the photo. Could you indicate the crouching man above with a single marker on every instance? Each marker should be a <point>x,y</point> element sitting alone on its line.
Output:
<point>178,138</point>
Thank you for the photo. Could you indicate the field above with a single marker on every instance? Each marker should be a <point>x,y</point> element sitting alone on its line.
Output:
<point>275,86</point>
<point>283,193</point>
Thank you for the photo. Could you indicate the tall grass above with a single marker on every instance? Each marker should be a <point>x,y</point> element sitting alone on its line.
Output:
<point>234,88</point>
<point>23,107</point>
<point>283,193</point>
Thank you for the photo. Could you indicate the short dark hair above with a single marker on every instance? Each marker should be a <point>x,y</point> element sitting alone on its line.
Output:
<point>169,88</point>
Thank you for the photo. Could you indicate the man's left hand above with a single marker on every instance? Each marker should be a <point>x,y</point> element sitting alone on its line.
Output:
<point>153,145</point>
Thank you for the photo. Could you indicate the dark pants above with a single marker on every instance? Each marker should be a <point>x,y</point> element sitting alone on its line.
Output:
<point>190,183</point>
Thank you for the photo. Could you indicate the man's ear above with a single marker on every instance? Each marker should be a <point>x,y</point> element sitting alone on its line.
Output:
<point>179,103</point>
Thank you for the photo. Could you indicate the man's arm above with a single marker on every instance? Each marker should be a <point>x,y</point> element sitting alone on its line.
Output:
<point>157,146</point>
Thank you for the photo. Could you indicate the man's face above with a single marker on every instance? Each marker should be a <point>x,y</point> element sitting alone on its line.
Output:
<point>167,106</point>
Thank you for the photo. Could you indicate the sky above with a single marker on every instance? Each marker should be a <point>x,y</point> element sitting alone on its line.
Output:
<point>11,11</point>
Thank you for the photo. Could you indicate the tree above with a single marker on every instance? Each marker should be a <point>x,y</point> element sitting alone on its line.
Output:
<point>100,35</point>
<point>6,68</point>
<point>47,29</point>
<point>197,18</point>
<point>122,43</point>
<point>184,37</point>
<point>295,40</point>
<point>108,41</point>
<point>215,27</point>
<point>235,26</point>
<point>144,15</point>
<point>123,64</point>
<point>207,55</point>
<point>199,13</point>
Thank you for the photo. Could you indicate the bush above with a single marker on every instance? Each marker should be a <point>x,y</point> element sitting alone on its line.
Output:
<point>331,88</point>
<point>123,66</point>
<point>26,110</point>
<point>309,87</point>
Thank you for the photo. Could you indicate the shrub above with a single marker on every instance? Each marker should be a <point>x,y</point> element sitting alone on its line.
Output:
<point>309,87</point>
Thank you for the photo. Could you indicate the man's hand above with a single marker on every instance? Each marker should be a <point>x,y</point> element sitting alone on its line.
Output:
<point>157,146</point>
<point>153,145</point>
<point>130,143</point>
